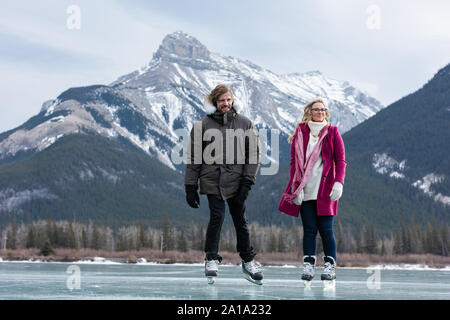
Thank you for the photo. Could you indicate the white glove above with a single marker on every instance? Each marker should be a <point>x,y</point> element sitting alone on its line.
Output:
<point>299,199</point>
<point>336,193</point>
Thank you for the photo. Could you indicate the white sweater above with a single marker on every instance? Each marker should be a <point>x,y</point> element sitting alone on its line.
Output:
<point>311,188</point>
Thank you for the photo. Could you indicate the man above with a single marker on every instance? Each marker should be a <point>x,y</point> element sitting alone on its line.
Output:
<point>225,155</point>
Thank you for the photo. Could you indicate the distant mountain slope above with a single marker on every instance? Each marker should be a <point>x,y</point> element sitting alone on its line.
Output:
<point>89,177</point>
<point>147,106</point>
<point>399,160</point>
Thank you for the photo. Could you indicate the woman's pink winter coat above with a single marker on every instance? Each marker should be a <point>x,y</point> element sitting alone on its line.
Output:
<point>333,157</point>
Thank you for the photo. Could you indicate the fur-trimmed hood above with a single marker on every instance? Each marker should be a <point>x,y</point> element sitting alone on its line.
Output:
<point>238,106</point>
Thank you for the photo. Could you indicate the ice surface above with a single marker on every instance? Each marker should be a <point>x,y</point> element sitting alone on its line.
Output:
<point>101,279</point>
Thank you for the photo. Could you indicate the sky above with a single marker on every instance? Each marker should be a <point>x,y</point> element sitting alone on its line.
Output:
<point>388,49</point>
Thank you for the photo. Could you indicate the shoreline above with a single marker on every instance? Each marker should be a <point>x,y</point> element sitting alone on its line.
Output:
<point>191,257</point>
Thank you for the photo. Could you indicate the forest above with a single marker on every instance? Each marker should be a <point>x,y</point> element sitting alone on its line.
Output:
<point>46,235</point>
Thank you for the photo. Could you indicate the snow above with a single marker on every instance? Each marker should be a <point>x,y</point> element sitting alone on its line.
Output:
<point>286,116</point>
<point>406,266</point>
<point>397,175</point>
<point>427,181</point>
<point>385,164</point>
<point>425,184</point>
<point>444,199</point>
<point>57,119</point>
<point>96,260</point>
<point>274,100</point>
<point>48,141</point>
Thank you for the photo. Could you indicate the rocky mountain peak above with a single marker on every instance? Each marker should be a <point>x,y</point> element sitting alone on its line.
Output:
<point>180,44</point>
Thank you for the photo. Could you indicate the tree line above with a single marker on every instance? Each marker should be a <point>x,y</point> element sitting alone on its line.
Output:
<point>48,234</point>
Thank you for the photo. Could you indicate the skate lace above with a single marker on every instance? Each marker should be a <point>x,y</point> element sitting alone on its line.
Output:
<point>253,267</point>
<point>211,264</point>
<point>328,267</point>
<point>309,268</point>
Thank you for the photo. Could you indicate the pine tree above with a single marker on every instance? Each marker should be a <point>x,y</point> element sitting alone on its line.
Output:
<point>272,245</point>
<point>84,238</point>
<point>383,248</point>
<point>398,247</point>
<point>193,235</point>
<point>31,237</point>
<point>201,238</point>
<point>141,241</point>
<point>11,236</point>
<point>281,243</point>
<point>182,243</point>
<point>358,241</point>
<point>96,240</point>
<point>167,233</point>
<point>406,244</point>
<point>428,246</point>
<point>71,241</point>
<point>444,240</point>
<point>47,249</point>
<point>122,243</point>
<point>340,242</point>
<point>370,241</point>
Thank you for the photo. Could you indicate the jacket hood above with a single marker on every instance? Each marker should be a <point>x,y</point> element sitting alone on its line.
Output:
<point>238,106</point>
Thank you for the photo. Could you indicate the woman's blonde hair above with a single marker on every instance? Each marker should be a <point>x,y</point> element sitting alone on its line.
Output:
<point>307,115</point>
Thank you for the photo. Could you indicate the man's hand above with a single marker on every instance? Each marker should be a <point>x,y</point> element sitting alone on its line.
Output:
<point>243,191</point>
<point>192,197</point>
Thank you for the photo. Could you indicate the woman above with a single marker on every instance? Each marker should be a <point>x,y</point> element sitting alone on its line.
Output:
<point>315,184</point>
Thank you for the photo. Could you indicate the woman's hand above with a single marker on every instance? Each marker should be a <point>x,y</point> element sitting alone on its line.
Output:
<point>298,201</point>
<point>336,193</point>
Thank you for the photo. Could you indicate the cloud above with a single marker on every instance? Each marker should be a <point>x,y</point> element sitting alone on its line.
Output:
<point>118,37</point>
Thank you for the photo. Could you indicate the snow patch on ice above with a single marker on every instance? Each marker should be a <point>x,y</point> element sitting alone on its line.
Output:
<point>406,266</point>
<point>96,260</point>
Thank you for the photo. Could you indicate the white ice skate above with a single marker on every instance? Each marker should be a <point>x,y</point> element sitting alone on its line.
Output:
<point>328,276</point>
<point>211,270</point>
<point>308,270</point>
<point>252,272</point>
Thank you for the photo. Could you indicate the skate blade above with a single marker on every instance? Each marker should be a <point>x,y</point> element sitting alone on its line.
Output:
<point>258,282</point>
<point>211,280</point>
<point>329,284</point>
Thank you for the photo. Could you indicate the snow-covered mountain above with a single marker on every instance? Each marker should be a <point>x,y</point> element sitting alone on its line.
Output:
<point>147,106</point>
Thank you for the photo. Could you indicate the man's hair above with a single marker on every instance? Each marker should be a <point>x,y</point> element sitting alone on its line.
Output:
<point>217,92</point>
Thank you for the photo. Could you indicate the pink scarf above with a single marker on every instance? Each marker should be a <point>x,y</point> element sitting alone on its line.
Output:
<point>303,168</point>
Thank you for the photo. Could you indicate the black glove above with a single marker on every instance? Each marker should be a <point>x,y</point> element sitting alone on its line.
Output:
<point>243,191</point>
<point>192,196</point>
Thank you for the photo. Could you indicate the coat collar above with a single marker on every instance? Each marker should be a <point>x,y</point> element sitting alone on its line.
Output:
<point>238,106</point>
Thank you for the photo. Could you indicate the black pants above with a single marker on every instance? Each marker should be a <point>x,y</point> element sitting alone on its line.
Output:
<point>217,215</point>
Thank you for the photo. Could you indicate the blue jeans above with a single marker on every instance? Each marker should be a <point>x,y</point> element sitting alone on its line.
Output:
<point>313,223</point>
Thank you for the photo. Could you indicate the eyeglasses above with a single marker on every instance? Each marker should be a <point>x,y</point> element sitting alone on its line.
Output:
<point>319,109</point>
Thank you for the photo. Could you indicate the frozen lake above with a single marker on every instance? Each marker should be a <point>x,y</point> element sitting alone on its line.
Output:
<point>62,281</point>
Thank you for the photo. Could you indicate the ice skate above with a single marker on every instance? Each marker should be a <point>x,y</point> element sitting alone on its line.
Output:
<point>328,276</point>
<point>252,272</point>
<point>211,270</point>
<point>308,270</point>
